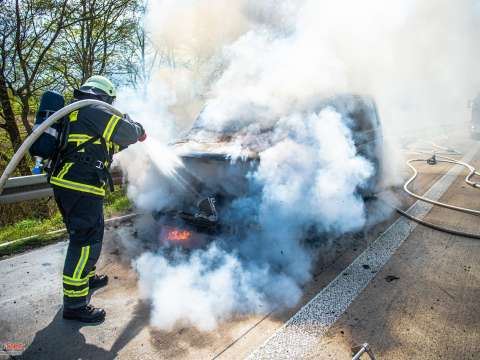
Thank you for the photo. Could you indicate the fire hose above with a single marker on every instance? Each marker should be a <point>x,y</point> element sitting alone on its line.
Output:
<point>432,161</point>
<point>20,153</point>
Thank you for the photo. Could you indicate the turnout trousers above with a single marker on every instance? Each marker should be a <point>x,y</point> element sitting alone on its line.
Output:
<point>83,217</point>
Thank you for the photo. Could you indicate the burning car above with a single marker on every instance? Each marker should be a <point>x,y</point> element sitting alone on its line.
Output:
<point>216,168</point>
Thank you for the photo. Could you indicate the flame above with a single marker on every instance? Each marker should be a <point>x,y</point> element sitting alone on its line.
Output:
<point>179,235</point>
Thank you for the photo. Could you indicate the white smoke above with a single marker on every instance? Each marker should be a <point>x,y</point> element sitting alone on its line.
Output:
<point>256,65</point>
<point>308,179</point>
<point>312,176</point>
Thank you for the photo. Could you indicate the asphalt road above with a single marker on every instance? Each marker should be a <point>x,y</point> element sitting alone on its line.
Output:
<point>418,300</point>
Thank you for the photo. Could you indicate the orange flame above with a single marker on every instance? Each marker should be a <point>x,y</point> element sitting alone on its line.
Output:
<point>178,235</point>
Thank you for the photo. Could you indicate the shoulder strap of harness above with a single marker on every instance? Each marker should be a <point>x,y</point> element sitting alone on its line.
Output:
<point>109,156</point>
<point>74,155</point>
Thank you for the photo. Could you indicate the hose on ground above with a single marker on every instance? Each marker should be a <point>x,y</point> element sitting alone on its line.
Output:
<point>20,153</point>
<point>435,155</point>
<point>471,173</point>
<point>436,227</point>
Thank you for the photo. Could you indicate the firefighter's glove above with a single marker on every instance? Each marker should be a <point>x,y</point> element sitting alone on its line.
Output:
<point>143,134</point>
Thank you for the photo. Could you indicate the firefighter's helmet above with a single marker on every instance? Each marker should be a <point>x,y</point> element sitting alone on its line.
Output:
<point>99,87</point>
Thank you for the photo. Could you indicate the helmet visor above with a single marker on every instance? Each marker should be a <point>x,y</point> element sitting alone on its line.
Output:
<point>93,93</point>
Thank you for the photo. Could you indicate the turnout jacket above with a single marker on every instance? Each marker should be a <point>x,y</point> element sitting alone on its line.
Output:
<point>86,169</point>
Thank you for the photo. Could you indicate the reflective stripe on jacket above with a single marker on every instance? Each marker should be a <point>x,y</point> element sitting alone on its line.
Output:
<point>88,176</point>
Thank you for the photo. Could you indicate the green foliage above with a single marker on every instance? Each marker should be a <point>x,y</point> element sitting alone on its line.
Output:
<point>116,202</point>
<point>33,209</point>
<point>6,153</point>
<point>29,227</point>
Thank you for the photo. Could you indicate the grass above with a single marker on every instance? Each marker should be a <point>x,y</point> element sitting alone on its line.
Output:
<point>35,231</point>
<point>29,227</point>
<point>116,202</point>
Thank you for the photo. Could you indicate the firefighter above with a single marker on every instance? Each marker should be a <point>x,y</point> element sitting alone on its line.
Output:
<point>79,184</point>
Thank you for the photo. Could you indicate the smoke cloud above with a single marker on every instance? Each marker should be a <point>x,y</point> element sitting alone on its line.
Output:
<point>261,66</point>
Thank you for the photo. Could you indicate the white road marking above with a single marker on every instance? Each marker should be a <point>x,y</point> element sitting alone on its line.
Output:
<point>303,330</point>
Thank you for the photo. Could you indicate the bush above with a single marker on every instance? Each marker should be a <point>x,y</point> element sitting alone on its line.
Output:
<point>32,209</point>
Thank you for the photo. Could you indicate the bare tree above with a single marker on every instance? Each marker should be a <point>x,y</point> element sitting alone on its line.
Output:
<point>143,57</point>
<point>7,77</point>
<point>28,31</point>
<point>98,44</point>
<point>55,44</point>
<point>38,25</point>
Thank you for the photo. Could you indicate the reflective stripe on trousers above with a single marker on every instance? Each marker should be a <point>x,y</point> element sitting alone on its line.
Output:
<point>79,268</point>
<point>83,217</point>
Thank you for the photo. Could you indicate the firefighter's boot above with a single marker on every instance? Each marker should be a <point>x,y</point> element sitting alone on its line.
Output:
<point>87,314</point>
<point>97,282</point>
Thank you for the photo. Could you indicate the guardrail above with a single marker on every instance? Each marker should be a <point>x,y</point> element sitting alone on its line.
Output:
<point>33,187</point>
